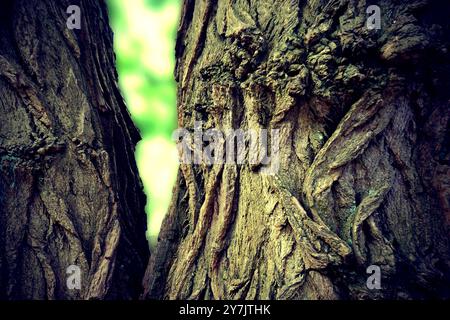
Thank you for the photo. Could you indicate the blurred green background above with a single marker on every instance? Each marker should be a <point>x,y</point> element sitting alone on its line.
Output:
<point>144,41</point>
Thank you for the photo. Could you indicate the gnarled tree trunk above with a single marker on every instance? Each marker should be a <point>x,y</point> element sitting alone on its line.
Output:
<point>364,154</point>
<point>70,193</point>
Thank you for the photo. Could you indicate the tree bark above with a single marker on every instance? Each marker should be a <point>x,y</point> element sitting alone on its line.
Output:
<point>364,153</point>
<point>70,193</point>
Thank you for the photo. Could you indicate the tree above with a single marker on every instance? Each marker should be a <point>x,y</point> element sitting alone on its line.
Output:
<point>363,183</point>
<point>70,194</point>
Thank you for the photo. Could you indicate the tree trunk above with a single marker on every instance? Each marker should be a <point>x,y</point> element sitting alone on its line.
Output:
<point>364,153</point>
<point>70,193</point>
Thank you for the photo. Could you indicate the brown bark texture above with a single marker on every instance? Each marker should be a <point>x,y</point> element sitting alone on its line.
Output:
<point>70,193</point>
<point>364,173</point>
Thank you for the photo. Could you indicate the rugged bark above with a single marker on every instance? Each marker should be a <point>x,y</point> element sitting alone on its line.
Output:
<point>364,176</point>
<point>70,193</point>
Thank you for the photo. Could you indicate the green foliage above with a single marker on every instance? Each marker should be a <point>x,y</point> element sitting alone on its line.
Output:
<point>144,40</point>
